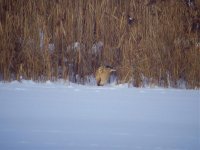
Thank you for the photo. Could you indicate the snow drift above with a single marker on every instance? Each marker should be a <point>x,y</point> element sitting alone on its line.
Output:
<point>65,116</point>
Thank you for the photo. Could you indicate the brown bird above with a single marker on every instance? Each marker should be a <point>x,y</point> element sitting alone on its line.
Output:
<point>102,74</point>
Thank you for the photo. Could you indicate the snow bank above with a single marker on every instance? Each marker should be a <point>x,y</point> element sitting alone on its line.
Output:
<point>62,116</point>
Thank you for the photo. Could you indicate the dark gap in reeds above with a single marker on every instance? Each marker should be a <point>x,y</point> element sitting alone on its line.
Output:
<point>51,39</point>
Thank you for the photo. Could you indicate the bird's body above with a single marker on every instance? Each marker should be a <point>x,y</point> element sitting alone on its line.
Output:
<point>103,74</point>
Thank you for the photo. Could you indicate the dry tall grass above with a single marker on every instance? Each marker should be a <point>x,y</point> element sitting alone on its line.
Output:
<point>51,39</point>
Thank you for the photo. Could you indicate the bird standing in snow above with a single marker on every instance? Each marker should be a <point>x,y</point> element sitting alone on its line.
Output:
<point>102,74</point>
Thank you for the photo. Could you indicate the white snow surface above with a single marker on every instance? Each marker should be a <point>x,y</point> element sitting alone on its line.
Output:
<point>66,116</point>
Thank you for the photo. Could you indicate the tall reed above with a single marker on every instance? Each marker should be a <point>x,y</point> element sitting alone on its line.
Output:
<point>158,43</point>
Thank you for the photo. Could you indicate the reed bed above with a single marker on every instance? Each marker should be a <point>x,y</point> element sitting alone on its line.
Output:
<point>153,41</point>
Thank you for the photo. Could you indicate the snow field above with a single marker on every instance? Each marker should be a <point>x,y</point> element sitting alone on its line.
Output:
<point>66,116</point>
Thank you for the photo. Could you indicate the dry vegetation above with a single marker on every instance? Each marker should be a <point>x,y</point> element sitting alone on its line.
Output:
<point>50,39</point>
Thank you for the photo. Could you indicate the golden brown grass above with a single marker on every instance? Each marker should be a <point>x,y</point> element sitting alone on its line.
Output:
<point>159,41</point>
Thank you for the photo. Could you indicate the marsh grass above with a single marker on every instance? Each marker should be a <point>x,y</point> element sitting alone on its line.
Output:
<point>51,39</point>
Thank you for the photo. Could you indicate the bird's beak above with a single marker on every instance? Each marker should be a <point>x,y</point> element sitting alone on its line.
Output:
<point>112,70</point>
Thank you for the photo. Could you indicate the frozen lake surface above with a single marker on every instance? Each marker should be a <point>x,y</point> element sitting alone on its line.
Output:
<point>58,116</point>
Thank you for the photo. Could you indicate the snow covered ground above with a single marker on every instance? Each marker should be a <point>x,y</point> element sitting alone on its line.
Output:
<point>58,116</point>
